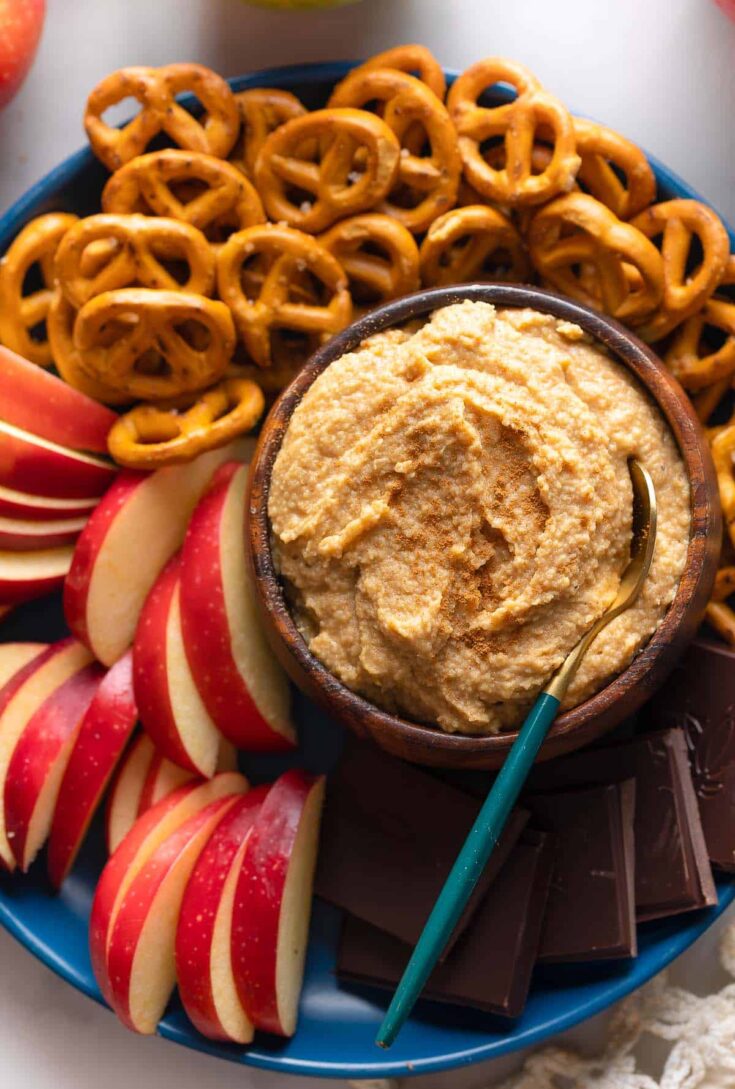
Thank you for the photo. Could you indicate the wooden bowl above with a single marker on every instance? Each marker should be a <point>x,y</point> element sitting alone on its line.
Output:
<point>425,744</point>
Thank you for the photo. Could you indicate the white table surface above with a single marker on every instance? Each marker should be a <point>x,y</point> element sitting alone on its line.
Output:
<point>660,71</point>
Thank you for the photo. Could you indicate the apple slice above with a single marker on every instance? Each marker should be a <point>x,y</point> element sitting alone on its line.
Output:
<point>42,508</point>
<point>162,778</point>
<point>33,399</point>
<point>14,657</point>
<point>21,698</point>
<point>142,516</point>
<point>204,934</point>
<point>270,920</point>
<point>243,687</point>
<point>171,708</point>
<point>104,733</point>
<point>38,761</point>
<point>24,535</point>
<point>141,963</point>
<point>32,464</point>
<point>123,802</point>
<point>27,575</point>
<point>143,839</point>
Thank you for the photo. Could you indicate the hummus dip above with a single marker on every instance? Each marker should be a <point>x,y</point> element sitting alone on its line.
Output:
<point>451,511</point>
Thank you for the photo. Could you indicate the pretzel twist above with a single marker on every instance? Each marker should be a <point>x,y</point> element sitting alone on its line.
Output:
<point>21,312</point>
<point>150,436</point>
<point>67,357</point>
<point>153,345</point>
<point>677,223</point>
<point>603,152</point>
<point>262,109</point>
<point>412,110</point>
<point>474,242</point>
<point>719,613</point>
<point>414,60</point>
<point>286,253</point>
<point>517,123</point>
<point>374,278</point>
<point>339,138</point>
<point>623,272</point>
<point>156,89</point>
<point>169,183</point>
<point>137,250</point>
<point>722,444</point>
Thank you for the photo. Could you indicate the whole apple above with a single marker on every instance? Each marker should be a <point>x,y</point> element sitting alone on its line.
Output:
<point>21,22</point>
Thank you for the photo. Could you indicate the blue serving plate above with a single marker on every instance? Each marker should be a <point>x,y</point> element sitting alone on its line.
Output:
<point>337,1024</point>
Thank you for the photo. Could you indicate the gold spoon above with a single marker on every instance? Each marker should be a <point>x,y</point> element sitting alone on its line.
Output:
<point>504,792</point>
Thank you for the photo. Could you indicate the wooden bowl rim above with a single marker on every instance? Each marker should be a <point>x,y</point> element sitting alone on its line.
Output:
<point>690,597</point>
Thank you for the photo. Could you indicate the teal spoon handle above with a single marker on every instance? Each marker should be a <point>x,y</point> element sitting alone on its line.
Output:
<point>470,863</point>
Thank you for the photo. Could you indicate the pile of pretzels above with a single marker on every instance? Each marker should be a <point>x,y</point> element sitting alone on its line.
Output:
<point>221,260</point>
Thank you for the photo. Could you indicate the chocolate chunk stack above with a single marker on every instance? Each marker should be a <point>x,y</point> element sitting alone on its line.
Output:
<point>604,839</point>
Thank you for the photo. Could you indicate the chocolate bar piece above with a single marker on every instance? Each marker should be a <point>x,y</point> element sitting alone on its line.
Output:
<point>672,871</point>
<point>700,697</point>
<point>590,912</point>
<point>490,966</point>
<point>390,836</point>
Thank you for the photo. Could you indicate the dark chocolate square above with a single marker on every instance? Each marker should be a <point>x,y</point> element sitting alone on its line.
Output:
<point>490,966</point>
<point>390,836</point>
<point>672,873</point>
<point>590,912</point>
<point>700,697</point>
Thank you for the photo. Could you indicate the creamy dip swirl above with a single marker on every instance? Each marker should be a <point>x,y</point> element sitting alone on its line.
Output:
<point>451,510</point>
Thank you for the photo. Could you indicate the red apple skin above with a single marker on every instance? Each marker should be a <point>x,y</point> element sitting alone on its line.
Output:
<point>13,658</point>
<point>21,22</point>
<point>152,679</point>
<point>259,894</point>
<point>106,728</point>
<point>38,401</point>
<point>22,579</point>
<point>187,799</point>
<point>39,748</point>
<point>29,466</point>
<point>88,547</point>
<point>134,910</point>
<point>161,765</point>
<point>112,877</point>
<point>206,630</point>
<point>198,915</point>
<point>42,508</point>
<point>29,535</point>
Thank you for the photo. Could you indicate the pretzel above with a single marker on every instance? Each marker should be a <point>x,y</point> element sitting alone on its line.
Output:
<point>686,356</point>
<point>375,278</point>
<point>603,151</point>
<point>628,279</point>
<point>718,613</point>
<point>722,444</point>
<point>68,359</point>
<point>262,109</point>
<point>155,89</point>
<point>708,400</point>
<point>138,248</point>
<point>169,183</point>
<point>21,312</point>
<point>460,245</point>
<point>517,122</point>
<point>415,60</point>
<point>153,345</point>
<point>335,136</point>
<point>285,252</point>
<point>685,290</point>
<point>430,181</point>
<point>150,436</point>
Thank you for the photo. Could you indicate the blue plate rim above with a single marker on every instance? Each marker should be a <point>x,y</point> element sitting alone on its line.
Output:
<point>612,991</point>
